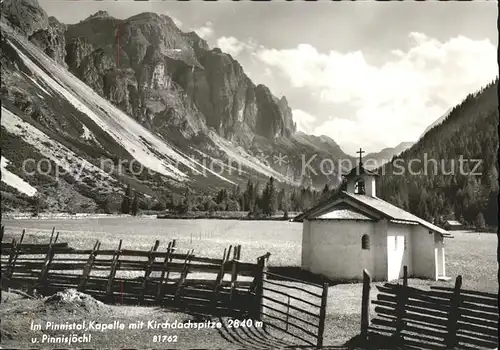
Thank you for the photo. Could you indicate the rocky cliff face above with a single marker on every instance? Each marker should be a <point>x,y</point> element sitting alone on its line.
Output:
<point>158,74</point>
<point>26,15</point>
<point>196,104</point>
<point>51,40</point>
<point>150,69</point>
<point>31,20</point>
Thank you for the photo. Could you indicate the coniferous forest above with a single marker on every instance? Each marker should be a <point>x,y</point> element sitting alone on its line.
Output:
<point>437,189</point>
<point>449,174</point>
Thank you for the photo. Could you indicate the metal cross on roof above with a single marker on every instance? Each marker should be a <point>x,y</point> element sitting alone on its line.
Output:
<point>360,152</point>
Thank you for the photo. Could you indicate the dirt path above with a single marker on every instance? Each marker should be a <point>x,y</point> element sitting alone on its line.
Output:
<point>19,314</point>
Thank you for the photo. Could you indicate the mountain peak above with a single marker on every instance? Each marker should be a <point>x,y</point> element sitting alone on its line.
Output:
<point>169,21</point>
<point>27,15</point>
<point>99,14</point>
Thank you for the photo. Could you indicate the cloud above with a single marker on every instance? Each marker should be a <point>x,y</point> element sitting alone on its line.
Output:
<point>205,31</point>
<point>234,47</point>
<point>230,45</point>
<point>305,121</point>
<point>392,102</point>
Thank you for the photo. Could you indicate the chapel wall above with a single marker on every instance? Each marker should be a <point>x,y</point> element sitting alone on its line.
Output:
<point>336,251</point>
<point>423,257</point>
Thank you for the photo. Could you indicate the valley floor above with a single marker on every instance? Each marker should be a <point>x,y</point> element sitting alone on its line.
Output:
<point>470,254</point>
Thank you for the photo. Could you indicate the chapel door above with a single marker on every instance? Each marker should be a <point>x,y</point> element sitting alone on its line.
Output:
<point>397,256</point>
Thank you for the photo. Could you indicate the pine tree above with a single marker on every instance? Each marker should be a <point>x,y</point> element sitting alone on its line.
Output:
<point>325,194</point>
<point>480,223</point>
<point>187,201</point>
<point>461,219</point>
<point>135,206</point>
<point>222,196</point>
<point>37,204</point>
<point>269,198</point>
<point>257,210</point>
<point>125,206</point>
<point>236,193</point>
<point>126,201</point>
<point>249,196</point>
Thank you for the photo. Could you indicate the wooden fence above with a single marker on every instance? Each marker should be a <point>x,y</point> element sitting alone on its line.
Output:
<point>169,278</point>
<point>133,276</point>
<point>439,318</point>
<point>294,306</point>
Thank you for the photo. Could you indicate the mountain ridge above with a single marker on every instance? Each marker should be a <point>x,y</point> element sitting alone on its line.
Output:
<point>144,94</point>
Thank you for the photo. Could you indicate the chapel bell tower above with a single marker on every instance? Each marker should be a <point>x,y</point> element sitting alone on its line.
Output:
<point>360,180</point>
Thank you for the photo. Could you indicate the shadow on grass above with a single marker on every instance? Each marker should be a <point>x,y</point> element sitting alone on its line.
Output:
<point>260,338</point>
<point>379,341</point>
<point>255,337</point>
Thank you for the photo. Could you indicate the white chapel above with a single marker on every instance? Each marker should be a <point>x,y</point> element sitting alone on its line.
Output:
<point>354,230</point>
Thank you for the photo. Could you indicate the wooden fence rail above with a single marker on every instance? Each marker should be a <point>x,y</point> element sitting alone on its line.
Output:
<point>442,317</point>
<point>171,277</point>
<point>135,276</point>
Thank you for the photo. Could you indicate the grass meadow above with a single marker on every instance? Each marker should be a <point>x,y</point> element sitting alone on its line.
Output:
<point>470,254</point>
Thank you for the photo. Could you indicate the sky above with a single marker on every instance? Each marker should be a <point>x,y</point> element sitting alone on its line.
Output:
<point>366,74</point>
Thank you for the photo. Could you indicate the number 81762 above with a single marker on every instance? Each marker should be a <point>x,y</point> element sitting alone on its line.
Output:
<point>164,338</point>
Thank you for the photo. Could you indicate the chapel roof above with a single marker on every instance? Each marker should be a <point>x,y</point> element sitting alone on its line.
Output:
<point>375,204</point>
<point>344,214</point>
<point>360,170</point>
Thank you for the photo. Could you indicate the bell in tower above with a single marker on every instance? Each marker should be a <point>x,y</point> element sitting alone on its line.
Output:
<point>361,181</point>
<point>359,187</point>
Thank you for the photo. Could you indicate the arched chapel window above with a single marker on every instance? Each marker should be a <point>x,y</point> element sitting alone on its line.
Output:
<point>365,242</point>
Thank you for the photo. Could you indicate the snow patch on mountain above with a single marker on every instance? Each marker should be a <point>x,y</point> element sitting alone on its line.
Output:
<point>237,155</point>
<point>145,147</point>
<point>87,134</point>
<point>71,163</point>
<point>37,84</point>
<point>15,181</point>
<point>151,151</point>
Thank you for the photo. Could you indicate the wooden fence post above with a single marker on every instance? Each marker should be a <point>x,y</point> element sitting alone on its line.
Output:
<point>42,279</point>
<point>162,286</point>
<point>365,305</point>
<point>14,254</point>
<point>405,276</point>
<point>184,272</point>
<point>147,272</point>
<point>172,251</point>
<point>112,273</point>
<point>401,296</point>
<point>220,278</point>
<point>234,272</point>
<point>22,236</point>
<point>88,266</point>
<point>453,315</point>
<point>259,288</point>
<point>322,316</point>
<point>10,267</point>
